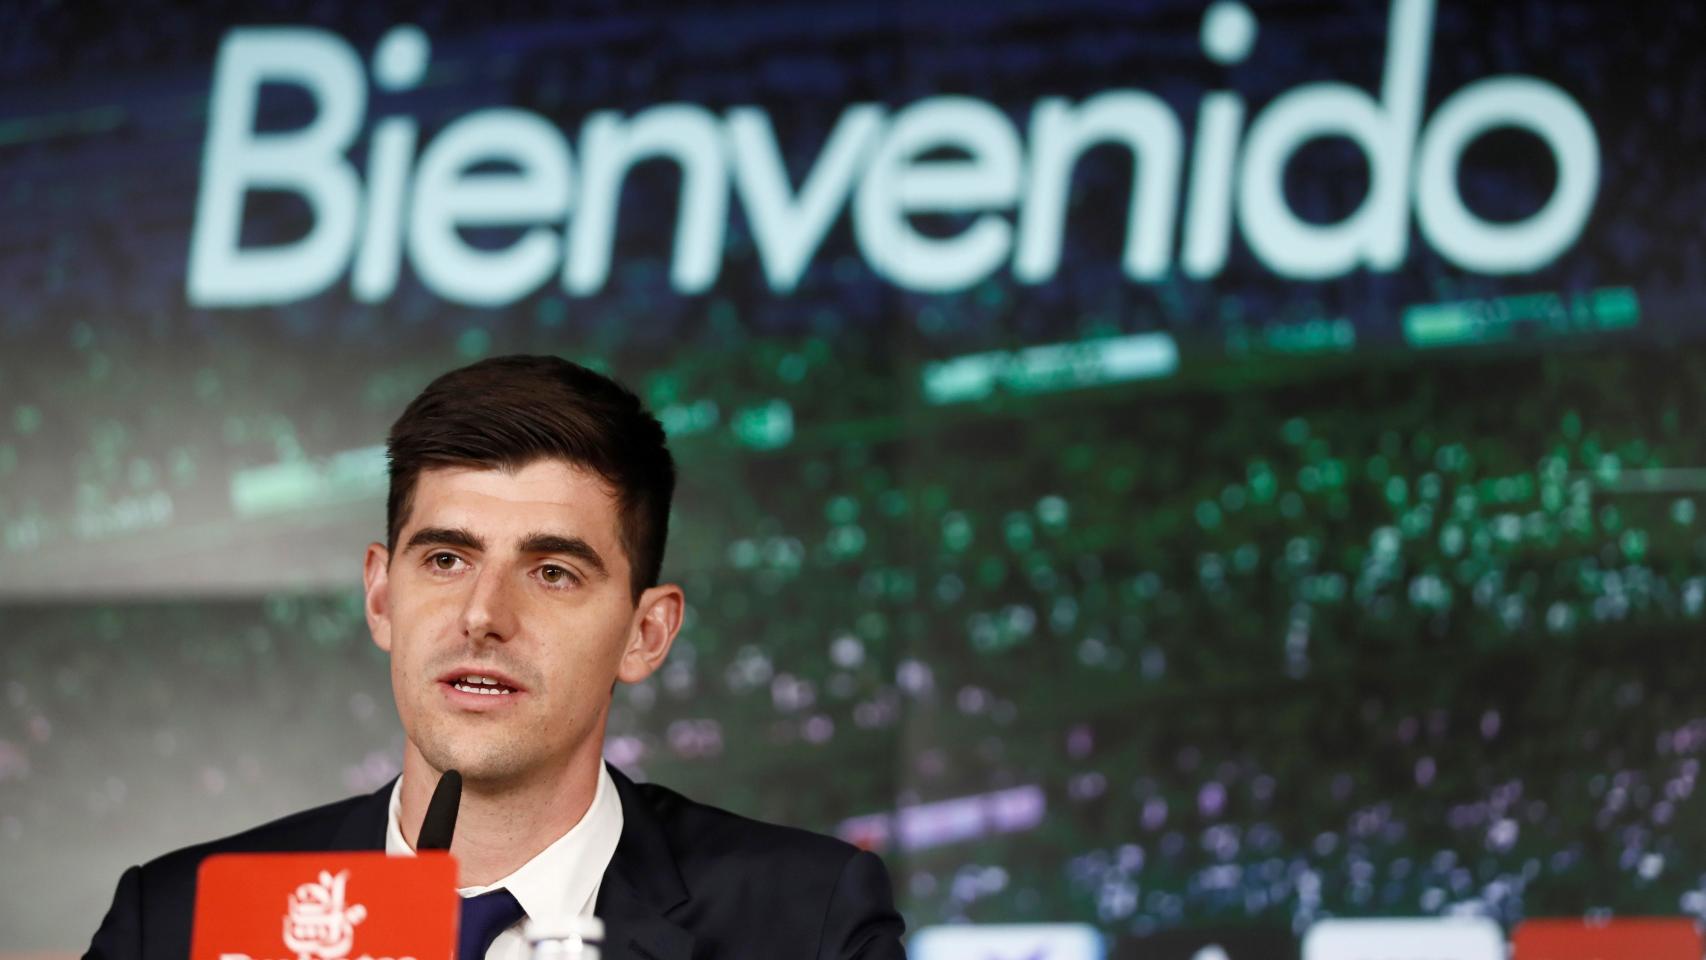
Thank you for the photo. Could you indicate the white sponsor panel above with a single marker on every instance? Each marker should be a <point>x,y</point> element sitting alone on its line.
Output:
<point>1007,174</point>
<point>1007,941</point>
<point>1447,938</point>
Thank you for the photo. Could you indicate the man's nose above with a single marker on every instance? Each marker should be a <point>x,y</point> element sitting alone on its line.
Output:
<point>489,612</point>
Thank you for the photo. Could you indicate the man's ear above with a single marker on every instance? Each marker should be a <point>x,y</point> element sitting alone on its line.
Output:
<point>376,578</point>
<point>657,618</point>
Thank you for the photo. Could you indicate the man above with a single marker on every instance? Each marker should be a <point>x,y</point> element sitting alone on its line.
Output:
<point>518,583</point>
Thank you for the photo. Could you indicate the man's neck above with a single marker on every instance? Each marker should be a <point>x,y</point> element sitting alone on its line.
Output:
<point>501,827</point>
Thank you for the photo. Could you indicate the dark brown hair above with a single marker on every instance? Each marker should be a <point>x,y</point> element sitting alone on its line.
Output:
<point>507,412</point>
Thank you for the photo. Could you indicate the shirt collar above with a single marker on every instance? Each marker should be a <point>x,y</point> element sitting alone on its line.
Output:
<point>563,879</point>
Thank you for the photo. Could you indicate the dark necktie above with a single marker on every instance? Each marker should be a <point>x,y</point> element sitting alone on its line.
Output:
<point>483,918</point>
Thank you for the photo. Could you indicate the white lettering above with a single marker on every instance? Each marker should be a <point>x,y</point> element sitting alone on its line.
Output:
<point>388,181</point>
<point>1526,104</point>
<point>398,65</point>
<point>789,229</point>
<point>956,157</point>
<point>1378,232</point>
<point>610,146</point>
<point>1208,211</point>
<point>900,184</point>
<point>449,197</point>
<point>1059,136</point>
<point>1228,35</point>
<point>308,162</point>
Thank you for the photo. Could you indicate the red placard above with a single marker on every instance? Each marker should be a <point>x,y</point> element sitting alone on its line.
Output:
<point>325,906</point>
<point>1639,938</point>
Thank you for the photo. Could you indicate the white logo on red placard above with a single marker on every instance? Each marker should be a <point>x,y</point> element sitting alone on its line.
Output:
<point>318,925</point>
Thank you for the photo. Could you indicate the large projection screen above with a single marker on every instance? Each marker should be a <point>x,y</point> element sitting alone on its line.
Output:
<point>1191,471</point>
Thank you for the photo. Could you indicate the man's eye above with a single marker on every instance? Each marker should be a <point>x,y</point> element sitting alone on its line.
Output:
<point>444,561</point>
<point>557,576</point>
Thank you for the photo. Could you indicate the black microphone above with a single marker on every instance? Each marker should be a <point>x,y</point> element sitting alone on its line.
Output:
<point>440,822</point>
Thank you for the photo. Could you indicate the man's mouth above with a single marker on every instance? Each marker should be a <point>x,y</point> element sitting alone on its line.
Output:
<point>481,684</point>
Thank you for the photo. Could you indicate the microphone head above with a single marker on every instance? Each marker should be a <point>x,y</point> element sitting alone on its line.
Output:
<point>439,825</point>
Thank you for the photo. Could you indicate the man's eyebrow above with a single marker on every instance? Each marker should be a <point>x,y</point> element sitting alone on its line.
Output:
<point>571,546</point>
<point>444,537</point>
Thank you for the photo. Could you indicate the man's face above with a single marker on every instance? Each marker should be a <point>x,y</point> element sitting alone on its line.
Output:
<point>520,578</point>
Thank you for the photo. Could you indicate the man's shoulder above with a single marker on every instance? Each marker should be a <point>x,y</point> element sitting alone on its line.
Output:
<point>151,910</point>
<point>701,835</point>
<point>762,889</point>
<point>317,828</point>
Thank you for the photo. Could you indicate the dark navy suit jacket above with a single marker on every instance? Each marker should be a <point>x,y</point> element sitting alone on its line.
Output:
<point>687,882</point>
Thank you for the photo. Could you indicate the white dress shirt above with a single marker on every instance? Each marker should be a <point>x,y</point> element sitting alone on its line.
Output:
<point>561,882</point>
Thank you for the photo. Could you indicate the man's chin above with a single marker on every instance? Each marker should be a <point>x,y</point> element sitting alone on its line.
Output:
<point>479,763</point>
<point>481,770</point>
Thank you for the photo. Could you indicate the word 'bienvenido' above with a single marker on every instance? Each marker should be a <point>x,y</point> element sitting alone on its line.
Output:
<point>558,203</point>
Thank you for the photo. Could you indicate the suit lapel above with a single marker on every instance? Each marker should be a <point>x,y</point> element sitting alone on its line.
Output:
<point>641,887</point>
<point>363,828</point>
